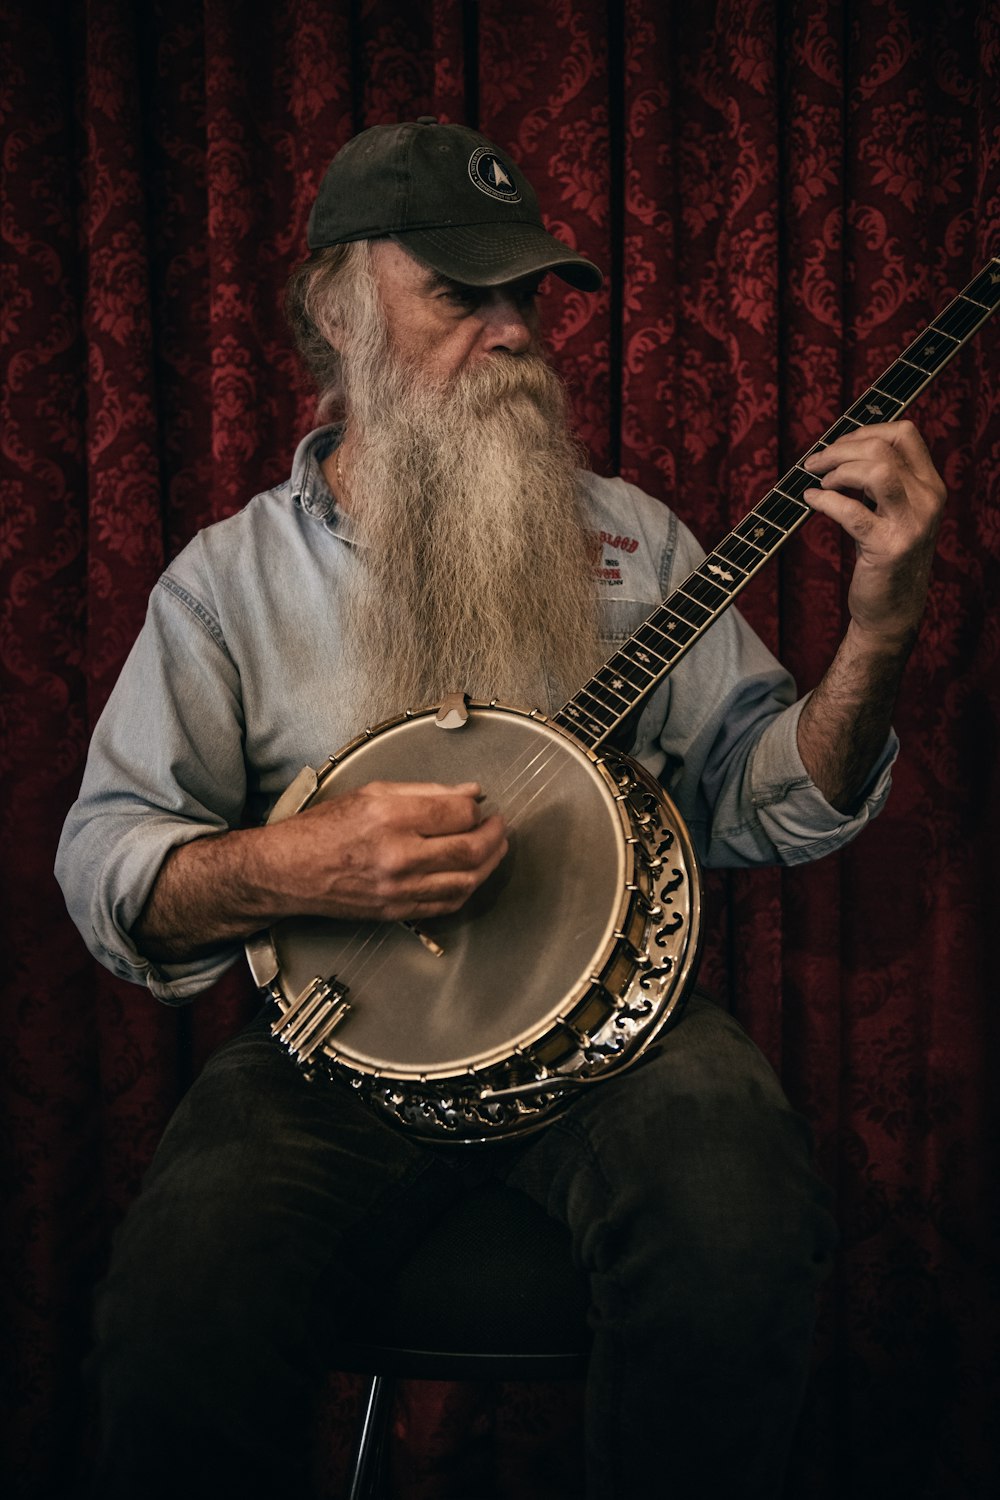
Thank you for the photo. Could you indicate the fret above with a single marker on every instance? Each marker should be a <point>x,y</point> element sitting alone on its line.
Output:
<point>843,425</point>
<point>739,552</point>
<point>961,318</point>
<point>724,571</point>
<point>759,533</point>
<point>985,288</point>
<point>652,643</point>
<point>794,482</point>
<point>620,687</point>
<point>600,703</point>
<point>625,666</point>
<point>593,707</point>
<point>901,381</point>
<point>781,511</point>
<point>874,408</point>
<point>613,686</point>
<point>689,609</point>
<point>697,586</point>
<point>581,727</point>
<point>930,351</point>
<point>674,626</point>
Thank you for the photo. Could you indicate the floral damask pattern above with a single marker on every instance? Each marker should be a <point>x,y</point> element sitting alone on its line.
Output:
<point>784,193</point>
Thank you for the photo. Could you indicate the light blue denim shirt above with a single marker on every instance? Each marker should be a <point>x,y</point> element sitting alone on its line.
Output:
<point>232,686</point>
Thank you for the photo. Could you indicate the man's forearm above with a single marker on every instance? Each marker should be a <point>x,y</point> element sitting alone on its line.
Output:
<point>208,892</point>
<point>389,851</point>
<point>880,485</point>
<point>843,727</point>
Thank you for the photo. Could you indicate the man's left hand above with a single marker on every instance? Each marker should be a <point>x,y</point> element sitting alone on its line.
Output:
<point>880,485</point>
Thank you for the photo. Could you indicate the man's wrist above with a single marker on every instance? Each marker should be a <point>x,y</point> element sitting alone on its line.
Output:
<point>210,891</point>
<point>889,642</point>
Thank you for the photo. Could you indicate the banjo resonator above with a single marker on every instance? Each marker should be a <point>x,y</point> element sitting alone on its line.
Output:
<point>573,954</point>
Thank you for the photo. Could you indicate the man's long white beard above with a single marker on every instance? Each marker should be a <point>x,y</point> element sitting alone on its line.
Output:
<point>476,569</point>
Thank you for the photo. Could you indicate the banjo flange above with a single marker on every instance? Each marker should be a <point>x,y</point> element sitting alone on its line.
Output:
<point>629,991</point>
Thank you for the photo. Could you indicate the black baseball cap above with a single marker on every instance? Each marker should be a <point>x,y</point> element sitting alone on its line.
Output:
<point>450,197</point>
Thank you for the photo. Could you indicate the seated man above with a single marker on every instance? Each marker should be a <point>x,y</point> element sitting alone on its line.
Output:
<point>437,536</point>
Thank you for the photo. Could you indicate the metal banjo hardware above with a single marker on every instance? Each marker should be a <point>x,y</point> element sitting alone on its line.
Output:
<point>554,973</point>
<point>579,949</point>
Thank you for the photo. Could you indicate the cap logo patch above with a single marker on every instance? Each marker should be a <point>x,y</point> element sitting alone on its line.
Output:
<point>490,176</point>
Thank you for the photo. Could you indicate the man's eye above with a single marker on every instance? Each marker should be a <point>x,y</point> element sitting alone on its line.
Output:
<point>469,298</point>
<point>527,296</point>
<point>462,296</point>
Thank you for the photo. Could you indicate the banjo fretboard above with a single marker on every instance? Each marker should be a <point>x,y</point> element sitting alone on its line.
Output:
<point>617,690</point>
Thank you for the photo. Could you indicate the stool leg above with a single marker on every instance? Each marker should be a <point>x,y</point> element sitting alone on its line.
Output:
<point>370,1452</point>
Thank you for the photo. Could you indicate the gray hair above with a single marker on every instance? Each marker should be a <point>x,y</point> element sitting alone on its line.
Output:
<point>324,299</point>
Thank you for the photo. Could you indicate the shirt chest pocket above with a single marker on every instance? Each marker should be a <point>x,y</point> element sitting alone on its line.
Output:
<point>620,618</point>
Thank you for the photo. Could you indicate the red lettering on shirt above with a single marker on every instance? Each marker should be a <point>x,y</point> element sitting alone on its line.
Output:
<point>622,543</point>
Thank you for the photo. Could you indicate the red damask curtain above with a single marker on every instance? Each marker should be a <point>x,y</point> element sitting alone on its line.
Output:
<point>782,191</point>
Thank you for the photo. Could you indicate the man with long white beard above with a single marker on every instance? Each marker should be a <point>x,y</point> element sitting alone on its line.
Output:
<point>437,537</point>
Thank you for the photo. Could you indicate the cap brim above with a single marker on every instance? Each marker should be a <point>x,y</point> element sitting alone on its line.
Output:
<point>489,254</point>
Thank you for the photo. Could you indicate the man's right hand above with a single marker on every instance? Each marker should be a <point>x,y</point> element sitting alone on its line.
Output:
<point>387,852</point>
<point>390,851</point>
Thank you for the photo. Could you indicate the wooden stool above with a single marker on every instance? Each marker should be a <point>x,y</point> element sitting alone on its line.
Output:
<point>491,1293</point>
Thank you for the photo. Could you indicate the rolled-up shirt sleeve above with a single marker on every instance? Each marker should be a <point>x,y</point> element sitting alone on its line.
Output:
<point>165,767</point>
<point>792,811</point>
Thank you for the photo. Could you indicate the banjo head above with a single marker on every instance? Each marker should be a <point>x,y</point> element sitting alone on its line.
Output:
<point>521,953</point>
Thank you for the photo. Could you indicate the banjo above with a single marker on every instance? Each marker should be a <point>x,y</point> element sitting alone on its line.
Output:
<point>581,947</point>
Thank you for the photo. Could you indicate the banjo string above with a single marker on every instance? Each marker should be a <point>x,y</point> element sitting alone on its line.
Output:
<point>360,953</point>
<point>515,818</point>
<point>508,812</point>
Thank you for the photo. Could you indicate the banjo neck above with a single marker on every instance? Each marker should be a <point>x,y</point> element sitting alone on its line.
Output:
<point>616,693</point>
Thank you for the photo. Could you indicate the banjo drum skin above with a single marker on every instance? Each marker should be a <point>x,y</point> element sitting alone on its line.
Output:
<point>557,972</point>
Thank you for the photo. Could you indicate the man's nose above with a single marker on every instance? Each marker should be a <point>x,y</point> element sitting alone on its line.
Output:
<point>508,324</point>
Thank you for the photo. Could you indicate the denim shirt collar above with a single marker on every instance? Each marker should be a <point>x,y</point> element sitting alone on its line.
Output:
<point>309,487</point>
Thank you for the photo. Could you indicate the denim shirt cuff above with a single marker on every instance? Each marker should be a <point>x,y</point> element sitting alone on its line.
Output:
<point>176,984</point>
<point>792,810</point>
<point>129,879</point>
